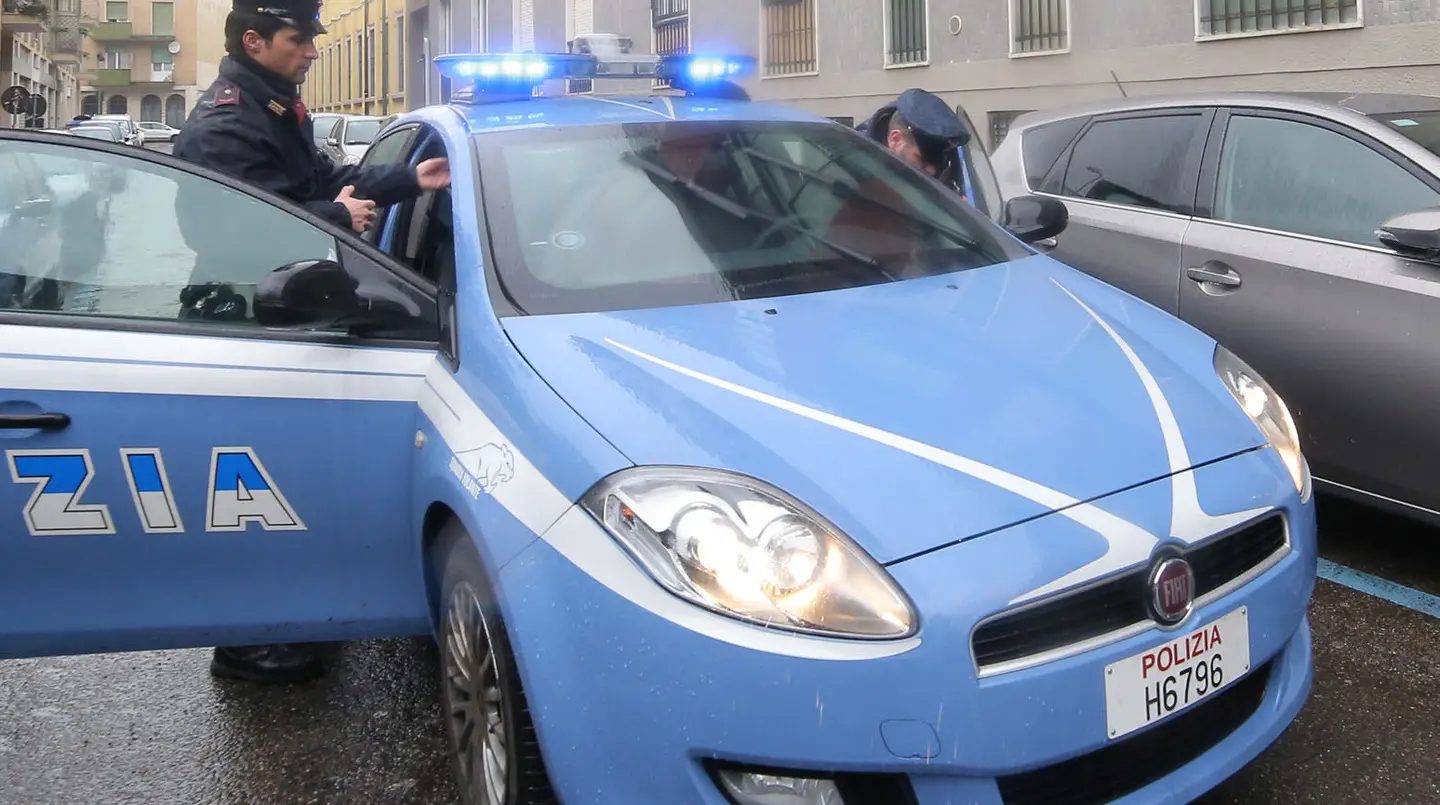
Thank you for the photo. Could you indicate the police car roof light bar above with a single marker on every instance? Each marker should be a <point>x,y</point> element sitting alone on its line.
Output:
<point>512,76</point>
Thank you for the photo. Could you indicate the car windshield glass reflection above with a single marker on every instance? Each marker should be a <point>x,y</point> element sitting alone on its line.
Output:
<point>96,134</point>
<point>648,215</point>
<point>1422,127</point>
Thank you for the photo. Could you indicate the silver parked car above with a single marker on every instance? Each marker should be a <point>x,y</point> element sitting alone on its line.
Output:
<point>1302,231</point>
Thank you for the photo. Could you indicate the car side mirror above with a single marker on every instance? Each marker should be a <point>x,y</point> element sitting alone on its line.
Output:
<point>320,295</point>
<point>1413,234</point>
<point>333,142</point>
<point>1035,218</point>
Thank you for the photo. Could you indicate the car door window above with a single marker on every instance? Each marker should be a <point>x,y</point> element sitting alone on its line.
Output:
<point>392,149</point>
<point>1136,161</point>
<point>1041,148</point>
<point>119,237</point>
<point>1302,178</point>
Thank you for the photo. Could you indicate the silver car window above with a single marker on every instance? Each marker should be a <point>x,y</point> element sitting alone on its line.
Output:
<point>1296,177</point>
<point>1137,162</point>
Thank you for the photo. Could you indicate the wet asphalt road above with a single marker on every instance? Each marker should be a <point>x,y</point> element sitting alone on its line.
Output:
<point>155,728</point>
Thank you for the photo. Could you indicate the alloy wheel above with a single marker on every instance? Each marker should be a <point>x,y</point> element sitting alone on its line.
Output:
<point>474,700</point>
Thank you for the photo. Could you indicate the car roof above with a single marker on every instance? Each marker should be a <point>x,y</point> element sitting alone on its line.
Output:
<point>1334,105</point>
<point>580,110</point>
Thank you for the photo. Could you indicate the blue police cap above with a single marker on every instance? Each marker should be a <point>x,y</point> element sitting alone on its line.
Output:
<point>302,14</point>
<point>930,117</point>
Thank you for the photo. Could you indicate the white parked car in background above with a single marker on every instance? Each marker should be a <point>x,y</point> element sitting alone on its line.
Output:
<point>157,132</point>
<point>129,129</point>
<point>353,136</point>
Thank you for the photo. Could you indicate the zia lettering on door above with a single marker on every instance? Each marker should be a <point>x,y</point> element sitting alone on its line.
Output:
<point>240,491</point>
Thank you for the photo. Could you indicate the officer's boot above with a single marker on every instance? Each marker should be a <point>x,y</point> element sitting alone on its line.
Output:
<point>274,664</point>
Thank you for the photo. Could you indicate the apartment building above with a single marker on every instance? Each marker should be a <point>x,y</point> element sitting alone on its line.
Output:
<point>151,59</point>
<point>999,58</point>
<point>40,44</point>
<point>996,58</point>
<point>376,57</point>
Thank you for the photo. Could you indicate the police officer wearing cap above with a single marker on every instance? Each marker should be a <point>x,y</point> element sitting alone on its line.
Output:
<point>250,124</point>
<point>925,132</point>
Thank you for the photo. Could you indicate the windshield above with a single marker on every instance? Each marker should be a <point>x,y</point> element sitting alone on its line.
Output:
<point>361,132</point>
<point>638,215</point>
<point>95,133</point>
<point>1422,127</point>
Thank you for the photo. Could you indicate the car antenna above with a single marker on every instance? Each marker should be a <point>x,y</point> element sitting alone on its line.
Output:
<point>1118,85</point>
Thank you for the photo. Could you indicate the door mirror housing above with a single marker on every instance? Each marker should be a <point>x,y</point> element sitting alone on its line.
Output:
<point>1413,234</point>
<point>1035,218</point>
<point>333,142</point>
<point>321,295</point>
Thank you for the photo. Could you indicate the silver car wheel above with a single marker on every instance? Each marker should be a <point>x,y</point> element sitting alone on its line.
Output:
<point>474,700</point>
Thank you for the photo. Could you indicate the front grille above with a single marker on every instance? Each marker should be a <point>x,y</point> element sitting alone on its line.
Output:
<point>1140,759</point>
<point>1120,601</point>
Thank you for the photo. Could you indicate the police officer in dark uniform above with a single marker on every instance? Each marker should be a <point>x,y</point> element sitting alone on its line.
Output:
<point>922,130</point>
<point>250,124</point>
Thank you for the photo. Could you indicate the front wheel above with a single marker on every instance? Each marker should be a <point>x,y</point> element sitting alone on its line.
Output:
<point>495,755</point>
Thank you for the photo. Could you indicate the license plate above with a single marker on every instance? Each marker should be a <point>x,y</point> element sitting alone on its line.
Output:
<point>1146,687</point>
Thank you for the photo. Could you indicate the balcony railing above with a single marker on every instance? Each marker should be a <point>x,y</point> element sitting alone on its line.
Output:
<point>111,77</point>
<point>25,16</point>
<point>110,31</point>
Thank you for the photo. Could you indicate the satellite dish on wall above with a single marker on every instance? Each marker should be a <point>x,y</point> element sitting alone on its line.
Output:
<point>173,47</point>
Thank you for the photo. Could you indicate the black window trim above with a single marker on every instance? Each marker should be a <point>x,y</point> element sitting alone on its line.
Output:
<point>343,237</point>
<point>1064,153</point>
<point>1209,185</point>
<point>1193,159</point>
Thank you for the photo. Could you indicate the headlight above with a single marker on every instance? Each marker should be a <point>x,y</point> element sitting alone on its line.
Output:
<point>743,549</point>
<point>1267,411</point>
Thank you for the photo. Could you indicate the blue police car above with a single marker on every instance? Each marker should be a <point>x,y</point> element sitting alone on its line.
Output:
<point>728,459</point>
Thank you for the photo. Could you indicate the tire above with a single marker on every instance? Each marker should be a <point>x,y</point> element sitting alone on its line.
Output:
<point>469,624</point>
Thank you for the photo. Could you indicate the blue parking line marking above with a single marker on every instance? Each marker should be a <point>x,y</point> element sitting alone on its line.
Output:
<point>1380,588</point>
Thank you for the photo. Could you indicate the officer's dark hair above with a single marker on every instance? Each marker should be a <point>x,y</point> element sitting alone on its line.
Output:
<point>241,21</point>
<point>897,123</point>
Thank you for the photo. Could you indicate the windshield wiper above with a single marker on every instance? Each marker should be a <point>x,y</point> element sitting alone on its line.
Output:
<point>744,212</point>
<point>848,192</point>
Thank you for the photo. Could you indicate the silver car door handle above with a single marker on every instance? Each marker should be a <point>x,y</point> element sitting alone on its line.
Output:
<point>1215,274</point>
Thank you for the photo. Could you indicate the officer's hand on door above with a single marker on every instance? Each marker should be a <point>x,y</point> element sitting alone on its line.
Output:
<point>362,211</point>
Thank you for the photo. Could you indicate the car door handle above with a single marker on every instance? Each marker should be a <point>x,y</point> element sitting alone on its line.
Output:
<point>46,421</point>
<point>1215,274</point>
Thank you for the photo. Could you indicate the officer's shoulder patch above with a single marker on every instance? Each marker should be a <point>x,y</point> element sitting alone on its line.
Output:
<point>227,95</point>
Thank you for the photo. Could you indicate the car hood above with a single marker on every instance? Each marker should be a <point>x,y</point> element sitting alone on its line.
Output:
<point>912,414</point>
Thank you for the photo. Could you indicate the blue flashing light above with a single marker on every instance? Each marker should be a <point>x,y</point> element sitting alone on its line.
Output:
<point>511,70</point>
<point>696,69</point>
<point>517,75</point>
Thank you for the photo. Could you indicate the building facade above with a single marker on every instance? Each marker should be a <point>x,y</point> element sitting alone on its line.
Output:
<point>363,59</point>
<point>999,58</point>
<point>40,46</point>
<point>995,58</point>
<point>151,59</point>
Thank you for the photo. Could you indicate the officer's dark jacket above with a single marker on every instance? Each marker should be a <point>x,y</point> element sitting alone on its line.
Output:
<point>877,126</point>
<point>247,125</point>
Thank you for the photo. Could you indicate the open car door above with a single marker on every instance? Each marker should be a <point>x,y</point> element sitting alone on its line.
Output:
<point>981,187</point>
<point>174,473</point>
